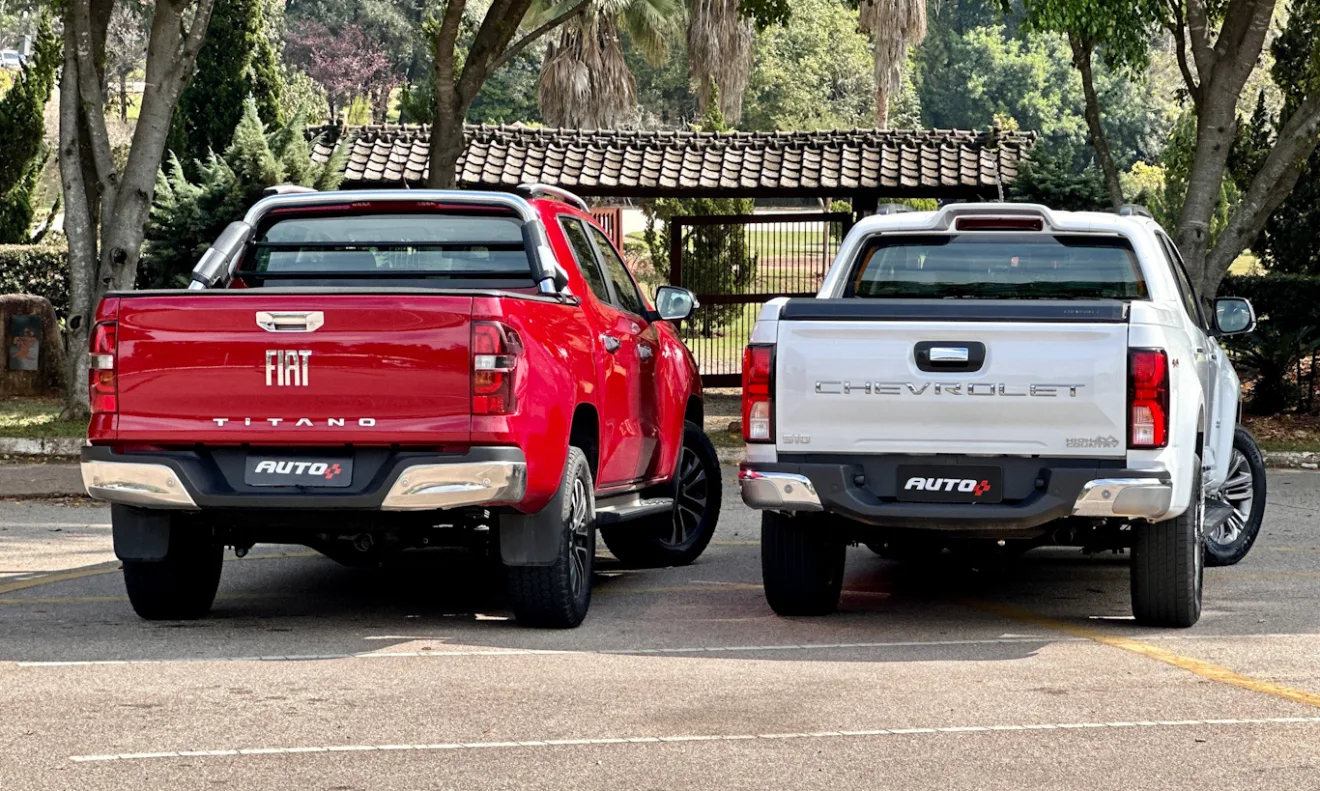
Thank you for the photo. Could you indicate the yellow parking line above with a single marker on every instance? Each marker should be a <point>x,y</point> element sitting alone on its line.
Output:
<point>60,576</point>
<point>1200,667</point>
<point>112,567</point>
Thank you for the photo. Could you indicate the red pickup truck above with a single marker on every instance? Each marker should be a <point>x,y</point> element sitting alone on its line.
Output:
<point>364,372</point>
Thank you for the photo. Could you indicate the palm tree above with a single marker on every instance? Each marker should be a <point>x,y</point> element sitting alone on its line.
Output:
<point>894,26</point>
<point>584,80</point>
<point>719,41</point>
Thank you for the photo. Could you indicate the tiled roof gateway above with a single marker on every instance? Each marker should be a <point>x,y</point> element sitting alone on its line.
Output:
<point>627,163</point>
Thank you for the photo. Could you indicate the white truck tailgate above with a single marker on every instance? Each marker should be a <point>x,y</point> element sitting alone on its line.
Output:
<point>1043,389</point>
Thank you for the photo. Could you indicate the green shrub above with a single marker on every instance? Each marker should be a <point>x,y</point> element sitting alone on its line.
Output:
<point>1281,357</point>
<point>188,215</point>
<point>22,127</point>
<point>40,269</point>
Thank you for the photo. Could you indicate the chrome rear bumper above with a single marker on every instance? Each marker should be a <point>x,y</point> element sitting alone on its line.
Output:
<point>778,491</point>
<point>135,483</point>
<point>427,487</point>
<point>203,480</point>
<point>1148,498</point>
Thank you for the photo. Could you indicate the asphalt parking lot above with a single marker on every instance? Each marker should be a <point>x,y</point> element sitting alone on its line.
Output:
<point>314,676</point>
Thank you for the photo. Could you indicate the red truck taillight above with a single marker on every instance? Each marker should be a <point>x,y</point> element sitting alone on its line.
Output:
<point>495,351</point>
<point>102,386</point>
<point>757,414</point>
<point>1148,398</point>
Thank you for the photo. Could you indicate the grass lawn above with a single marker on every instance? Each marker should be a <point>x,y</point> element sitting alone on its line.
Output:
<point>37,418</point>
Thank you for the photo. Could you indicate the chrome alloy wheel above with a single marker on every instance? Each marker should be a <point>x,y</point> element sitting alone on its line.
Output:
<point>1238,493</point>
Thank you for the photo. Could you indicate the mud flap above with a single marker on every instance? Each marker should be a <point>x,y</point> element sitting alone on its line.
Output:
<point>533,539</point>
<point>140,534</point>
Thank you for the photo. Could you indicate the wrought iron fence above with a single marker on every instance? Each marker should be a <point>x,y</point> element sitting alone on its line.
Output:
<point>735,263</point>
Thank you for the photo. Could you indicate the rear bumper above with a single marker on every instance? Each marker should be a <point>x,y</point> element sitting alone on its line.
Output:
<point>1038,491</point>
<point>384,480</point>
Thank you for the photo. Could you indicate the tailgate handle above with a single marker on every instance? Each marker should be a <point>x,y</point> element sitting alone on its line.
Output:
<point>290,320</point>
<point>948,354</point>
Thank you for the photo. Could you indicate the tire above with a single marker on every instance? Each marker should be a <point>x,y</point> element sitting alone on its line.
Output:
<point>801,563</point>
<point>679,537</point>
<point>1244,492</point>
<point>1168,565</point>
<point>182,586</point>
<point>558,596</point>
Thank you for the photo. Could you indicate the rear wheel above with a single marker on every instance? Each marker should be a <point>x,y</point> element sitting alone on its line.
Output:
<point>182,585</point>
<point>558,596</point>
<point>680,536</point>
<point>1168,565</point>
<point>802,560</point>
<point>1243,492</point>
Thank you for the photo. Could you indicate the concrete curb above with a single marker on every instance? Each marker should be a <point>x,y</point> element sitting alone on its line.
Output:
<point>67,446</point>
<point>1291,460</point>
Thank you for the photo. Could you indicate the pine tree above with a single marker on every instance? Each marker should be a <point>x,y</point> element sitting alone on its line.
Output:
<point>190,211</point>
<point>236,62</point>
<point>22,128</point>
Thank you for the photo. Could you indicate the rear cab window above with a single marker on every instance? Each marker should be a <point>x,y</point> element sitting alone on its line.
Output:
<point>996,265</point>
<point>438,250</point>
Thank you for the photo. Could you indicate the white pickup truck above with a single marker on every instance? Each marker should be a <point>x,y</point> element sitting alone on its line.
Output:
<point>999,375</point>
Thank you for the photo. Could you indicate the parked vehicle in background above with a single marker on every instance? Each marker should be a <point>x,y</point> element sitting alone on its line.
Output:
<point>997,375</point>
<point>366,372</point>
<point>11,59</point>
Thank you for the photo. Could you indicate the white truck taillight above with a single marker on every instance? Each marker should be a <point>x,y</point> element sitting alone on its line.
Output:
<point>757,414</point>
<point>496,348</point>
<point>102,384</point>
<point>1148,398</point>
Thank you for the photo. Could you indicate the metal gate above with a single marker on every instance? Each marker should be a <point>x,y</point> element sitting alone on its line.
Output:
<point>736,262</point>
<point>611,220</point>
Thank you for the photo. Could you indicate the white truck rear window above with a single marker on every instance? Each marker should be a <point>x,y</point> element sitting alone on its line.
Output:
<point>996,266</point>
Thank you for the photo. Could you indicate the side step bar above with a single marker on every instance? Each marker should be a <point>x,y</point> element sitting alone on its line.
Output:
<point>627,507</point>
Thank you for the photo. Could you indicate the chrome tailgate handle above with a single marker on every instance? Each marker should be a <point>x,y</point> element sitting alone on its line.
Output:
<point>290,320</point>
<point>948,354</point>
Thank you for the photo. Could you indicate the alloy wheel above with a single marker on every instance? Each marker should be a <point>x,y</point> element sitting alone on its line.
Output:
<point>689,499</point>
<point>579,539</point>
<point>1237,493</point>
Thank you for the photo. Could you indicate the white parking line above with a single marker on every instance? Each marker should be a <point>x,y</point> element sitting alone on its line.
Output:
<point>816,735</point>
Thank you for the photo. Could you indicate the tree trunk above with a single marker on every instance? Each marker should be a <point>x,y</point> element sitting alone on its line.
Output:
<point>881,108</point>
<point>123,97</point>
<point>1216,128</point>
<point>80,229</point>
<point>106,210</point>
<point>446,146</point>
<point>1082,52</point>
<point>1268,189</point>
<point>1223,67</point>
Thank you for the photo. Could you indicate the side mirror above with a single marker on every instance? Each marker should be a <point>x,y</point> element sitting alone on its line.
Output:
<point>675,304</point>
<point>1234,316</point>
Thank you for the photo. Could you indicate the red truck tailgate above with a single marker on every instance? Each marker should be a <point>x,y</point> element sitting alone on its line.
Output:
<point>379,369</point>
